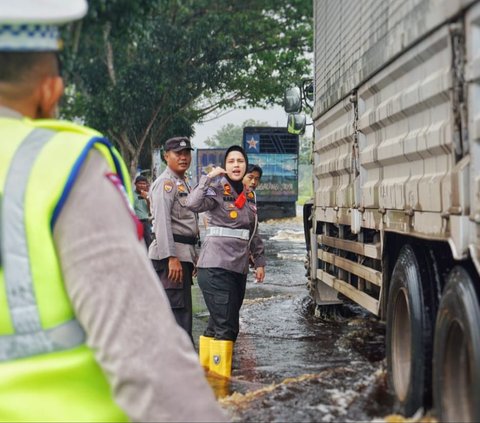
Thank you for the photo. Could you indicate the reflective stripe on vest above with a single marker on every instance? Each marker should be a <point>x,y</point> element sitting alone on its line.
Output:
<point>29,338</point>
<point>228,232</point>
<point>1,231</point>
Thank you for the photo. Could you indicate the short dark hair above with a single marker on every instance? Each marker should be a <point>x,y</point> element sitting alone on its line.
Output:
<point>16,66</point>
<point>255,168</point>
<point>140,178</point>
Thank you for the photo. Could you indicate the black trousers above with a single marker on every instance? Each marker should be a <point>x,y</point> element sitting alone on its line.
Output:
<point>147,232</point>
<point>223,292</point>
<point>179,294</point>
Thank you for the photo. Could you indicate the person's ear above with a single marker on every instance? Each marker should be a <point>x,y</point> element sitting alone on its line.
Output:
<point>51,90</point>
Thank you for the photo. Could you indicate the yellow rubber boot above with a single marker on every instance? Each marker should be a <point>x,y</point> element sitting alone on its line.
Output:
<point>221,357</point>
<point>204,350</point>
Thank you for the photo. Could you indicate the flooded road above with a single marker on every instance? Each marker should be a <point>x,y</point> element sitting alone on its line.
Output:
<point>289,365</point>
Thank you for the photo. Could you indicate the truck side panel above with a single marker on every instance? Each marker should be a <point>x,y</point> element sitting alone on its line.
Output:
<point>354,39</point>
<point>333,159</point>
<point>405,135</point>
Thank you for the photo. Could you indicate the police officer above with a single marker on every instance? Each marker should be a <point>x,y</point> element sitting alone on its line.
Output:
<point>176,231</point>
<point>79,302</point>
<point>223,261</point>
<point>252,178</point>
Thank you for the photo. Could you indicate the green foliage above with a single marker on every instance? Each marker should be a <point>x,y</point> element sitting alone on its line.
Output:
<point>142,71</point>
<point>305,153</point>
<point>231,134</point>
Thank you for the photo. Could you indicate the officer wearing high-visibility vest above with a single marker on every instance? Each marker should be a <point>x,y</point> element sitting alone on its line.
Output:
<point>80,338</point>
<point>223,260</point>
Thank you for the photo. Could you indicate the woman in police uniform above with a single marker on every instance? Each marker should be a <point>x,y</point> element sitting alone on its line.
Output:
<point>223,261</point>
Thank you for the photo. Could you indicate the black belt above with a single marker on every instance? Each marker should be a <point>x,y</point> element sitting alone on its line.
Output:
<point>192,240</point>
<point>143,220</point>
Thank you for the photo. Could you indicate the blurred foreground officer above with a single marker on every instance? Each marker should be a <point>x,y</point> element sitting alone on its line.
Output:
<point>176,231</point>
<point>80,338</point>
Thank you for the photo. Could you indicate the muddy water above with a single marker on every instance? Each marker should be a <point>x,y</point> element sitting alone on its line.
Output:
<point>290,365</point>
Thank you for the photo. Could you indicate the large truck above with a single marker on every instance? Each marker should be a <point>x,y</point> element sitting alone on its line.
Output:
<point>204,159</point>
<point>394,224</point>
<point>276,151</point>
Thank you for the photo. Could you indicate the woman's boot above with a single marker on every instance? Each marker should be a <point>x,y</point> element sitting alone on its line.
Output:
<point>204,350</point>
<point>221,352</point>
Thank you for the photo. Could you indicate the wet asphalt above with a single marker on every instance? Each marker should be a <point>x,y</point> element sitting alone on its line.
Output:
<point>291,365</point>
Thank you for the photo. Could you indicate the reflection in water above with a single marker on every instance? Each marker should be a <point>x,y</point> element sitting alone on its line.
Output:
<point>219,385</point>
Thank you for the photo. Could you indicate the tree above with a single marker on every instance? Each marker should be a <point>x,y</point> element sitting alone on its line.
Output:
<point>305,150</point>
<point>142,71</point>
<point>231,134</point>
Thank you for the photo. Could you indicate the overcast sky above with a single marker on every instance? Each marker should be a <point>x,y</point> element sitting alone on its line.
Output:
<point>274,117</point>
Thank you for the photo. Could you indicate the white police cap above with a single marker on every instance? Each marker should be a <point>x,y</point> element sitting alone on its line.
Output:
<point>32,25</point>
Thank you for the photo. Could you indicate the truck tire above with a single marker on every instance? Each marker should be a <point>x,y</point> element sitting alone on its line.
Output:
<point>409,327</point>
<point>456,353</point>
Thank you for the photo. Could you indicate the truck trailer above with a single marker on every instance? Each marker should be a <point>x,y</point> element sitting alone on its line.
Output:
<point>394,224</point>
<point>276,151</point>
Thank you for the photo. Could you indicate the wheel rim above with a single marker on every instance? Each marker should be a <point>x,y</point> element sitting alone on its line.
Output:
<point>401,345</point>
<point>457,376</point>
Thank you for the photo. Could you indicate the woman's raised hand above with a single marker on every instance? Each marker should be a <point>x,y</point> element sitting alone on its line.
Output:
<point>216,171</point>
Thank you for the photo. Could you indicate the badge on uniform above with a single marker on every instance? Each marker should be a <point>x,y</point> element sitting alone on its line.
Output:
<point>227,189</point>
<point>233,214</point>
<point>250,195</point>
<point>168,186</point>
<point>181,187</point>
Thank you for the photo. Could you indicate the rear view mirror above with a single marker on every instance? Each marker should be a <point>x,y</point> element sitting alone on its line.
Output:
<point>309,91</point>
<point>297,123</point>
<point>292,101</point>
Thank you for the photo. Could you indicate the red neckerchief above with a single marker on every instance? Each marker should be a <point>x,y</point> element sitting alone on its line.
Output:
<point>241,200</point>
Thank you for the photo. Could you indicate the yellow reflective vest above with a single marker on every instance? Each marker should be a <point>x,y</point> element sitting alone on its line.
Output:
<point>47,372</point>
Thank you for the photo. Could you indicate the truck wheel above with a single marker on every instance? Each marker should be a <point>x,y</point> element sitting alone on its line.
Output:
<point>408,335</point>
<point>456,363</point>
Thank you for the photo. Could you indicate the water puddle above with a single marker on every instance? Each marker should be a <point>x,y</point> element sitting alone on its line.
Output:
<point>292,364</point>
